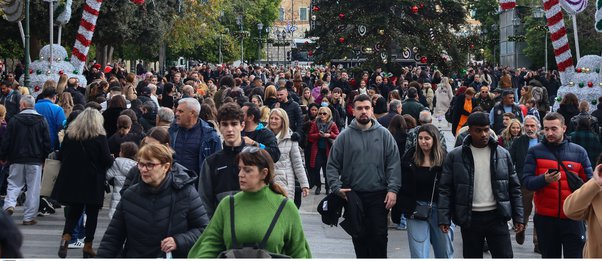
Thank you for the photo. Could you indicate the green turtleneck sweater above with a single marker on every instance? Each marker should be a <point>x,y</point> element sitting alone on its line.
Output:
<point>252,216</point>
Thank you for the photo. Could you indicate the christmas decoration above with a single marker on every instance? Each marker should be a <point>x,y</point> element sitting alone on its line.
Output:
<point>310,53</point>
<point>362,29</point>
<point>558,98</point>
<point>414,9</point>
<point>560,42</point>
<point>38,72</point>
<point>583,79</point>
<point>381,32</point>
<point>62,11</point>
<point>598,16</point>
<point>59,67</point>
<point>507,4</point>
<point>578,70</point>
<point>61,72</point>
<point>316,8</point>
<point>342,40</point>
<point>594,102</point>
<point>13,10</point>
<point>341,16</point>
<point>83,39</point>
<point>423,59</point>
<point>587,70</point>
<point>590,84</point>
<point>138,2</point>
<point>574,6</point>
<point>37,88</point>
<point>581,85</point>
<point>571,83</point>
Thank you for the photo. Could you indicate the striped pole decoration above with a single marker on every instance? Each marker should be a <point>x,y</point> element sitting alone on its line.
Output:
<point>83,39</point>
<point>560,41</point>
<point>507,4</point>
<point>599,16</point>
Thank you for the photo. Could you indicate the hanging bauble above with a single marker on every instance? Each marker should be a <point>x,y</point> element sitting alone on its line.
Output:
<point>600,84</point>
<point>381,32</point>
<point>37,88</point>
<point>341,16</point>
<point>578,69</point>
<point>306,42</point>
<point>30,71</point>
<point>587,70</point>
<point>361,30</point>
<point>310,53</point>
<point>594,102</point>
<point>590,84</point>
<point>421,5</point>
<point>313,17</point>
<point>385,61</point>
<point>38,72</point>
<point>581,84</point>
<point>48,72</point>
<point>345,58</point>
<point>558,98</point>
<point>138,2</point>
<point>471,46</point>
<point>316,8</point>
<point>423,59</point>
<point>414,9</point>
<point>342,40</point>
<point>75,72</point>
<point>67,59</point>
<point>61,72</point>
<point>571,83</point>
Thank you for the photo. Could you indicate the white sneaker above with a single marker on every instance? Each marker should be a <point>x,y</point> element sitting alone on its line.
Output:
<point>76,244</point>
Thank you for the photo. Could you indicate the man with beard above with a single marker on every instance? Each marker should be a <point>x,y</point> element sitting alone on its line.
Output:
<point>364,164</point>
<point>546,168</point>
<point>518,152</point>
<point>485,100</point>
<point>343,83</point>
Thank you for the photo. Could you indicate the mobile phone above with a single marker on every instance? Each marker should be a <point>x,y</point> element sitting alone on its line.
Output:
<point>552,170</point>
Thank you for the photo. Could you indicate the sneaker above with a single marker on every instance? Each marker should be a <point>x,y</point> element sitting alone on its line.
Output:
<point>30,222</point>
<point>43,213</point>
<point>45,206</point>
<point>76,244</point>
<point>401,227</point>
<point>10,211</point>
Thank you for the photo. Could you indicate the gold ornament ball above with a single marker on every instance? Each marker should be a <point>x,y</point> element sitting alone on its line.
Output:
<point>587,70</point>
<point>600,84</point>
<point>381,32</point>
<point>571,83</point>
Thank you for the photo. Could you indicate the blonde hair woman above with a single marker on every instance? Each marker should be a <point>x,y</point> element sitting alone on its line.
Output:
<point>84,150</point>
<point>66,102</point>
<point>62,85</point>
<point>290,164</point>
<point>510,134</point>
<point>269,96</point>
<point>322,133</point>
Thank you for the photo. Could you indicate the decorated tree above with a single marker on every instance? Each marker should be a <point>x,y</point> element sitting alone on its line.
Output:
<point>376,30</point>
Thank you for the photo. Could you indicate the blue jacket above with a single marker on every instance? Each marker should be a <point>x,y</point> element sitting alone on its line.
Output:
<point>55,116</point>
<point>186,142</point>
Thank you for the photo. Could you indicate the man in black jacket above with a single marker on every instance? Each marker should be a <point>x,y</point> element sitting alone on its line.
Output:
<point>78,97</point>
<point>219,175</point>
<point>518,152</point>
<point>25,147</point>
<point>254,133</point>
<point>293,110</point>
<point>482,197</point>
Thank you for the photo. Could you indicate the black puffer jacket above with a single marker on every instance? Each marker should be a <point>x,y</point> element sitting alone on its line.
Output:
<point>145,216</point>
<point>457,181</point>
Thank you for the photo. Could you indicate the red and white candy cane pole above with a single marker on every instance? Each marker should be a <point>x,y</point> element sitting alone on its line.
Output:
<point>560,41</point>
<point>83,39</point>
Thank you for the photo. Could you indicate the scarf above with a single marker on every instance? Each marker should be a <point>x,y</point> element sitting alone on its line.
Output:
<point>323,126</point>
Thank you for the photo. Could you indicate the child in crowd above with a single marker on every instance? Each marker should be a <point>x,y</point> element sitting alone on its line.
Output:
<point>117,173</point>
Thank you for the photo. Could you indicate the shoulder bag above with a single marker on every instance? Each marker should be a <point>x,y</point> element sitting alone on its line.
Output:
<point>575,182</point>
<point>423,212</point>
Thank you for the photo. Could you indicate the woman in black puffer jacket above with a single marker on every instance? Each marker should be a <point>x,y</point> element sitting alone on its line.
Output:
<point>161,214</point>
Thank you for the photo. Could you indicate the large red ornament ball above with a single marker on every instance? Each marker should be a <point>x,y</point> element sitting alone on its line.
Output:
<point>590,84</point>
<point>138,2</point>
<point>310,53</point>
<point>423,59</point>
<point>341,16</point>
<point>316,8</point>
<point>579,69</point>
<point>342,40</point>
<point>415,9</point>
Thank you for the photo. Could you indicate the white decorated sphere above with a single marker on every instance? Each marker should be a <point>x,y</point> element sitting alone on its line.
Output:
<point>585,93</point>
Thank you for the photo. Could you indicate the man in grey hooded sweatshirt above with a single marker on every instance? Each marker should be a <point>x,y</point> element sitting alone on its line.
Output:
<point>365,159</point>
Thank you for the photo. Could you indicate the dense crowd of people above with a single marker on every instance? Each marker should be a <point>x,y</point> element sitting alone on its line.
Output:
<point>218,155</point>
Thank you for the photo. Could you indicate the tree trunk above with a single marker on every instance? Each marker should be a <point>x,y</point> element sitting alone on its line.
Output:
<point>110,54</point>
<point>162,54</point>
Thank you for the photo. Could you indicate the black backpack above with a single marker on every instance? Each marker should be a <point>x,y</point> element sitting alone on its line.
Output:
<point>256,250</point>
<point>449,112</point>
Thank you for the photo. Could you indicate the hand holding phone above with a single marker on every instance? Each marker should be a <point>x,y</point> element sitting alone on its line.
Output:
<point>552,175</point>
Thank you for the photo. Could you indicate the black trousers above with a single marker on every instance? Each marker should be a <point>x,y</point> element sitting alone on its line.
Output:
<point>315,178</point>
<point>486,225</point>
<point>373,244</point>
<point>75,212</point>
<point>559,236</point>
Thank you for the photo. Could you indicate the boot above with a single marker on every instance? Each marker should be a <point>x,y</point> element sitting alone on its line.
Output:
<point>64,245</point>
<point>88,251</point>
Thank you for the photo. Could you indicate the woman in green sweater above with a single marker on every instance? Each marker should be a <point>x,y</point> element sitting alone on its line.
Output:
<point>254,209</point>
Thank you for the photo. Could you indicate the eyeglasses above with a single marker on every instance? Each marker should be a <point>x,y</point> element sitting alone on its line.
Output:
<point>323,113</point>
<point>147,165</point>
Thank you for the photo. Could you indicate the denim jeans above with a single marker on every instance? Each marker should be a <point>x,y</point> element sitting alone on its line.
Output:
<point>424,233</point>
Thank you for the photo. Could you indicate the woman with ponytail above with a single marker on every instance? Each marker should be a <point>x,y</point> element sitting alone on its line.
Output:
<point>254,209</point>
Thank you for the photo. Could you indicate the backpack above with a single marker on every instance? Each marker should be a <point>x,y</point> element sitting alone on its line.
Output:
<point>449,112</point>
<point>253,251</point>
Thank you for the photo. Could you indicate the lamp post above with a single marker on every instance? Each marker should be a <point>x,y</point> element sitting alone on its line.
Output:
<point>267,43</point>
<point>516,24</point>
<point>493,29</point>
<point>26,79</point>
<point>539,13</point>
<point>239,21</point>
<point>220,55</point>
<point>259,28</point>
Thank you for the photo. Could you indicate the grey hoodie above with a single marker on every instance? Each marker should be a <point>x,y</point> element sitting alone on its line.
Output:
<point>364,160</point>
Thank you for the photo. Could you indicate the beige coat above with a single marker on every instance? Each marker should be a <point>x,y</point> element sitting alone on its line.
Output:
<point>586,204</point>
<point>290,166</point>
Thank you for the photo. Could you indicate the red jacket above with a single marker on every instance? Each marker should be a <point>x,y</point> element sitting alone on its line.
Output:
<point>314,136</point>
<point>549,198</point>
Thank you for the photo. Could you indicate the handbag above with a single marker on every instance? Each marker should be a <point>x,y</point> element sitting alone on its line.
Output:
<point>423,212</point>
<point>575,182</point>
<point>252,251</point>
<point>52,166</point>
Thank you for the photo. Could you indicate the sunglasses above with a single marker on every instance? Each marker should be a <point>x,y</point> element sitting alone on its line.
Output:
<point>323,113</point>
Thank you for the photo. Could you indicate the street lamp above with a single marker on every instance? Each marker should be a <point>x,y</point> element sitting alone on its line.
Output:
<point>267,43</point>
<point>278,37</point>
<point>516,24</point>
<point>240,22</point>
<point>259,28</point>
<point>539,13</point>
